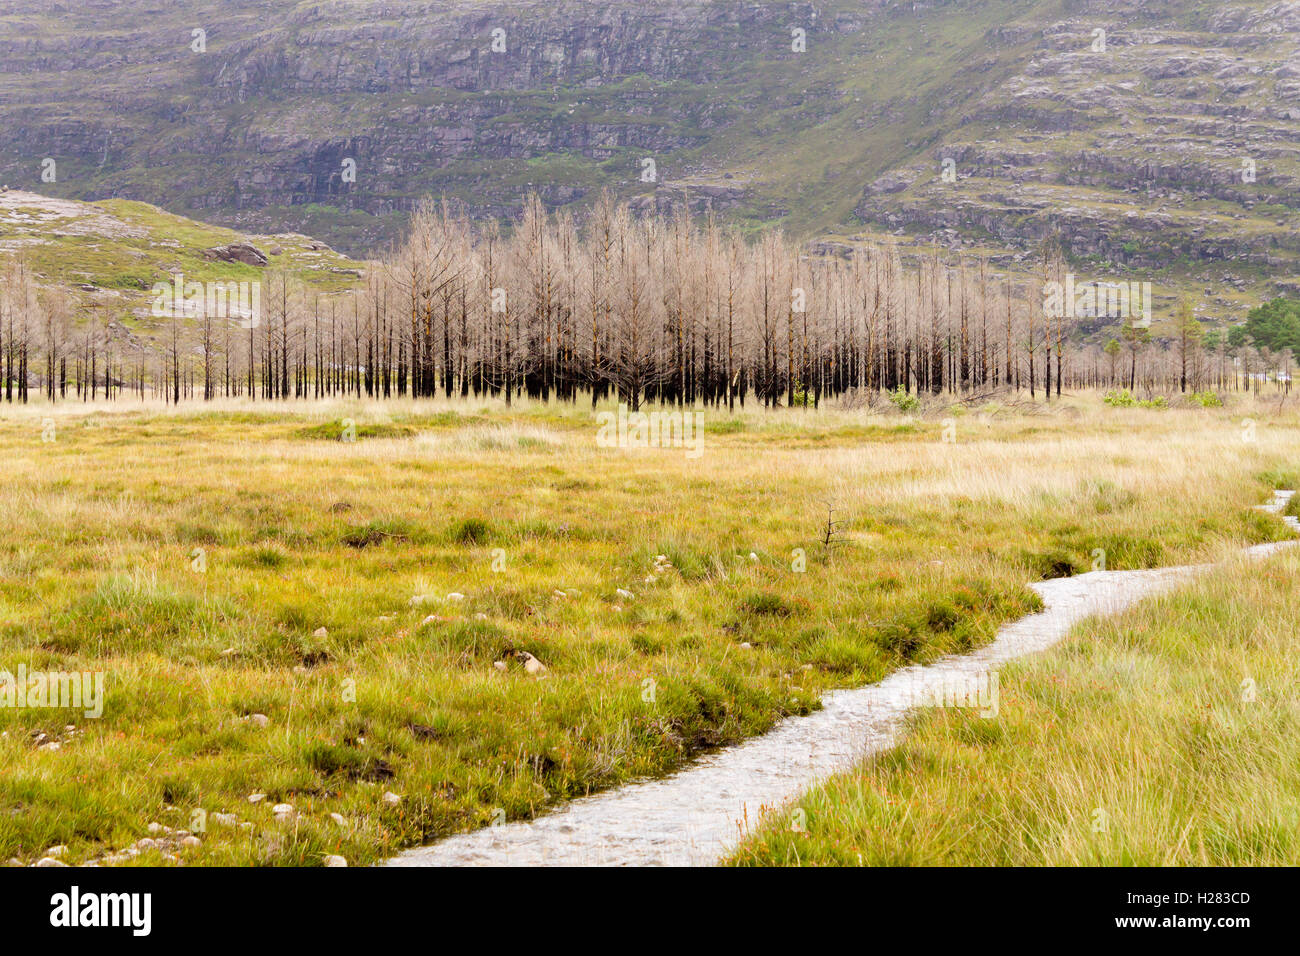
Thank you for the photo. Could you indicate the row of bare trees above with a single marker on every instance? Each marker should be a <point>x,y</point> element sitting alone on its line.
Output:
<point>657,309</point>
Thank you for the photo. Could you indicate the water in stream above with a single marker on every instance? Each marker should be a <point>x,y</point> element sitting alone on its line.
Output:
<point>694,816</point>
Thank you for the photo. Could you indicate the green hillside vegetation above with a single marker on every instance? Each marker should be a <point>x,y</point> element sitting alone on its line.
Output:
<point>109,255</point>
<point>1274,325</point>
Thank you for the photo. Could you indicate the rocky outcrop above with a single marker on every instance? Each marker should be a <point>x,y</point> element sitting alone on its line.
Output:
<point>238,252</point>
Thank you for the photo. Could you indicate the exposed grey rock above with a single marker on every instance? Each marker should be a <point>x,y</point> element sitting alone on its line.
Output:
<point>238,252</point>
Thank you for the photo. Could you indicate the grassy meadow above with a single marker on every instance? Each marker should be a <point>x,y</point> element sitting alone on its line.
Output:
<point>1163,736</point>
<point>352,629</point>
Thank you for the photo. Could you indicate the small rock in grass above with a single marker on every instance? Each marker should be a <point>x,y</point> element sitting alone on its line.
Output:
<point>49,861</point>
<point>531,664</point>
<point>617,607</point>
<point>320,633</point>
<point>391,799</point>
<point>191,841</point>
<point>558,593</point>
<point>224,819</point>
<point>499,665</point>
<point>259,720</point>
<point>746,645</point>
<point>339,819</point>
<point>145,844</point>
<point>57,851</point>
<point>256,797</point>
<point>335,861</point>
<point>455,596</point>
<point>480,616</point>
<point>431,619</point>
<point>282,809</point>
<point>753,556</point>
<point>229,652</point>
<point>625,593</point>
<point>155,828</point>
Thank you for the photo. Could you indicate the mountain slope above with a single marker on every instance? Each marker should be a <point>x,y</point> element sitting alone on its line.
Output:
<point>1132,156</point>
<point>1167,150</point>
<point>256,130</point>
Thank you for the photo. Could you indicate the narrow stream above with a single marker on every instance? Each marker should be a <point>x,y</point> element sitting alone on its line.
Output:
<point>695,816</point>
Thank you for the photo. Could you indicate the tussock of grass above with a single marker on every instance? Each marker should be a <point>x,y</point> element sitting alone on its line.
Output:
<point>471,531</point>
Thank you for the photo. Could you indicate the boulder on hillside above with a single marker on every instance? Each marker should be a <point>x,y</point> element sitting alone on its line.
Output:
<point>237,252</point>
<point>893,182</point>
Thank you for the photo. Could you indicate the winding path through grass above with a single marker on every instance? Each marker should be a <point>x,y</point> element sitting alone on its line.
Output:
<point>695,816</point>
